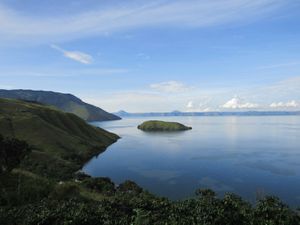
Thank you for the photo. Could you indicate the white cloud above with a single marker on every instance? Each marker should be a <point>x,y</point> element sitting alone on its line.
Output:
<point>75,55</point>
<point>289,104</point>
<point>202,107</point>
<point>170,87</point>
<point>237,103</point>
<point>131,14</point>
<point>292,104</point>
<point>190,105</point>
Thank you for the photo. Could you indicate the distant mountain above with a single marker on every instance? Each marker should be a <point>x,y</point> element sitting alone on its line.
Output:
<point>123,113</point>
<point>65,102</point>
<point>61,141</point>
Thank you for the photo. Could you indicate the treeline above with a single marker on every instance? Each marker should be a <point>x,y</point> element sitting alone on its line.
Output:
<point>29,199</point>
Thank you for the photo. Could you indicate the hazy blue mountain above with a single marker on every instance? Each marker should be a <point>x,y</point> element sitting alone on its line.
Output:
<point>123,113</point>
<point>65,102</point>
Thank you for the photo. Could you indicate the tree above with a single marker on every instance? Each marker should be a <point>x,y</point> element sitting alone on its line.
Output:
<point>12,151</point>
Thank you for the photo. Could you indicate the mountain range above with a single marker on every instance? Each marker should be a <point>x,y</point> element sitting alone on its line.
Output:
<point>123,113</point>
<point>65,102</point>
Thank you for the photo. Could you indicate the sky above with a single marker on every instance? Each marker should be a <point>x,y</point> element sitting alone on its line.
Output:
<point>156,56</point>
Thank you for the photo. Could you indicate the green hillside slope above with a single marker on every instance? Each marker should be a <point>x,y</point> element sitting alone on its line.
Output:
<point>65,102</point>
<point>61,141</point>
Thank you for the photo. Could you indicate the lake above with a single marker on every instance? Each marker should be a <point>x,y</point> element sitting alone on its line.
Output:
<point>251,156</point>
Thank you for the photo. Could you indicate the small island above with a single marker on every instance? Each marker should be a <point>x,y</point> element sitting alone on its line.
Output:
<point>156,125</point>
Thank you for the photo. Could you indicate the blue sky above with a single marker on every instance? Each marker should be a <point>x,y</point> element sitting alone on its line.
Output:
<point>160,55</point>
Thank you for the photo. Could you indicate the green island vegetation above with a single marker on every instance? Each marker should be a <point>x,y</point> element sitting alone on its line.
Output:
<point>156,125</point>
<point>41,150</point>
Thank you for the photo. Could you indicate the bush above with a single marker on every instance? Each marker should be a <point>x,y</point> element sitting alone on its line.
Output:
<point>100,184</point>
<point>271,211</point>
<point>129,187</point>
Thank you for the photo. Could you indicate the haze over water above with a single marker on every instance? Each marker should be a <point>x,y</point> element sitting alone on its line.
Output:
<point>249,156</point>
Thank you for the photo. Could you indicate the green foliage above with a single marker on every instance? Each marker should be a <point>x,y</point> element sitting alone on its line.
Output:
<point>65,205</point>
<point>156,125</point>
<point>20,187</point>
<point>101,185</point>
<point>141,217</point>
<point>205,193</point>
<point>271,211</point>
<point>12,151</point>
<point>64,191</point>
<point>51,166</point>
<point>130,187</point>
<point>68,212</point>
<point>235,211</point>
<point>80,175</point>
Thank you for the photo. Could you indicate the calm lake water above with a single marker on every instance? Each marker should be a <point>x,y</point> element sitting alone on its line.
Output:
<point>250,156</point>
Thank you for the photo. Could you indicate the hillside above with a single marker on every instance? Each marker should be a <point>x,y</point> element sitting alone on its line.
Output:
<point>65,102</point>
<point>61,141</point>
<point>156,125</point>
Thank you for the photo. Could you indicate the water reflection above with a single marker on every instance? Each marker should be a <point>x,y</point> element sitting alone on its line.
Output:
<point>228,154</point>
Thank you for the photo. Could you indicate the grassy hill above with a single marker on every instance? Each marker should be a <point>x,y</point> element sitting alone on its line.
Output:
<point>156,125</point>
<point>65,102</point>
<point>61,142</point>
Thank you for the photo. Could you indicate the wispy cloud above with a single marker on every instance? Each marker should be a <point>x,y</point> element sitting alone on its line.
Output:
<point>75,55</point>
<point>134,101</point>
<point>280,65</point>
<point>35,72</point>
<point>132,14</point>
<point>170,87</point>
<point>237,103</point>
<point>143,56</point>
<point>284,89</point>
